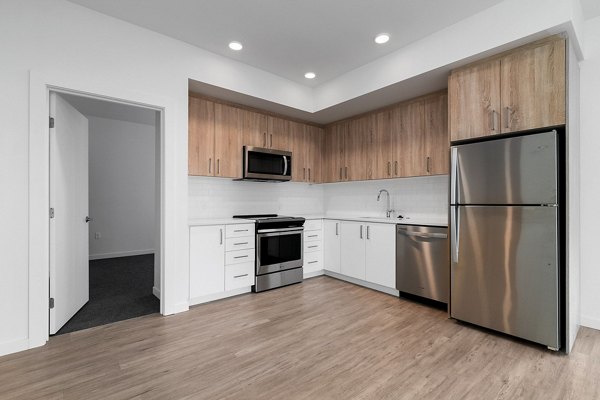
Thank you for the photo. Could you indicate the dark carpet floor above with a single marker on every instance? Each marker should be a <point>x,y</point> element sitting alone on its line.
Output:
<point>120,288</point>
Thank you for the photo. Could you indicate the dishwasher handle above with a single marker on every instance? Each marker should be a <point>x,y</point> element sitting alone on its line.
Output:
<point>423,234</point>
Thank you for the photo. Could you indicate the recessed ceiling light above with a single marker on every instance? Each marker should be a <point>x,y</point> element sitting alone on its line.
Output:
<point>237,46</point>
<point>310,75</point>
<point>382,38</point>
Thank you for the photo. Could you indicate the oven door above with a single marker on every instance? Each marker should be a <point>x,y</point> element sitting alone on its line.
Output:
<point>278,250</point>
<point>267,164</point>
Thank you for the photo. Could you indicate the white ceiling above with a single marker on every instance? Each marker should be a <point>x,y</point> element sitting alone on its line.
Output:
<point>291,37</point>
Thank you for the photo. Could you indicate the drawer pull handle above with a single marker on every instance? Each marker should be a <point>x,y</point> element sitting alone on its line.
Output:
<point>239,244</point>
<point>240,276</point>
<point>313,262</point>
<point>241,256</point>
<point>313,235</point>
<point>241,230</point>
<point>312,247</point>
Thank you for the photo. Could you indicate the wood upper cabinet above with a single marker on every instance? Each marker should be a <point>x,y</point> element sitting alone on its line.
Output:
<point>228,141</point>
<point>201,137</point>
<point>519,90</point>
<point>299,147</point>
<point>533,87</point>
<point>254,128</point>
<point>409,140</point>
<point>334,152</point>
<point>314,158</point>
<point>474,94</point>
<point>278,137</point>
<point>437,142</point>
<point>356,148</point>
<point>380,157</point>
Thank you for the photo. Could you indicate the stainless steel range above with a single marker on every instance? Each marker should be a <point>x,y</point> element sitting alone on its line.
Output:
<point>279,245</point>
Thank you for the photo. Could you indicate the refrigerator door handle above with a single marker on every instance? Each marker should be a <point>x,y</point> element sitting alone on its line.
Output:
<point>454,238</point>
<point>454,176</point>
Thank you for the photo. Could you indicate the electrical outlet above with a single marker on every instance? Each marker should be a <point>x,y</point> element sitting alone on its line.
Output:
<point>97,235</point>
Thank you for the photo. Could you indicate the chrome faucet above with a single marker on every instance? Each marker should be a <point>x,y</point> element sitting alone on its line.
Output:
<point>388,211</point>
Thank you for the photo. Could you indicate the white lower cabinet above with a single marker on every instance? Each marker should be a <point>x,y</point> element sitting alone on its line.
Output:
<point>313,247</point>
<point>381,254</point>
<point>331,246</point>
<point>365,251</point>
<point>207,260</point>
<point>221,260</point>
<point>353,249</point>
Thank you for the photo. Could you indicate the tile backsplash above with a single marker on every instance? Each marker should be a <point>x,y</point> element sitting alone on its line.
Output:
<point>414,197</point>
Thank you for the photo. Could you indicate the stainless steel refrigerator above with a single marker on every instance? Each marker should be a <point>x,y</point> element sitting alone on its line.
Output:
<point>504,227</point>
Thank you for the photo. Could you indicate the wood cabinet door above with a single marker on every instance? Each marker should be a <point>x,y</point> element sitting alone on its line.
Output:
<point>207,260</point>
<point>254,129</point>
<point>410,157</point>
<point>278,137</point>
<point>315,139</point>
<point>334,152</point>
<point>380,146</point>
<point>356,143</point>
<point>228,141</point>
<point>201,137</point>
<point>381,255</point>
<point>437,143</point>
<point>299,146</point>
<point>474,101</point>
<point>352,249</point>
<point>533,87</point>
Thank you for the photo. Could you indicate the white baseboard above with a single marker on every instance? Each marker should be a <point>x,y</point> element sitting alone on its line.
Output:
<point>219,296</point>
<point>312,274</point>
<point>156,292</point>
<point>116,254</point>
<point>176,308</point>
<point>590,322</point>
<point>14,346</point>
<point>366,284</point>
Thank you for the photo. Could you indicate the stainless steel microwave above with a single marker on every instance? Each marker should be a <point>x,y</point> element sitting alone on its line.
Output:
<point>267,164</point>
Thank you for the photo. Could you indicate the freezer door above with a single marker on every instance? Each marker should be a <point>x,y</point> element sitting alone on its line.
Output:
<point>519,170</point>
<point>504,270</point>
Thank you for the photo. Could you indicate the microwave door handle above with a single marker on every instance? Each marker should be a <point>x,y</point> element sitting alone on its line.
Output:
<point>285,165</point>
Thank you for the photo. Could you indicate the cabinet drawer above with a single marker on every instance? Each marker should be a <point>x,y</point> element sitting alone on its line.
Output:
<point>239,243</point>
<point>239,230</point>
<point>239,275</point>
<point>310,247</point>
<point>313,224</point>
<point>313,261</point>
<point>312,236</point>
<point>239,256</point>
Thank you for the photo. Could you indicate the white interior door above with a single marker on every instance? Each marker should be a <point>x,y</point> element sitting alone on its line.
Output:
<point>69,237</point>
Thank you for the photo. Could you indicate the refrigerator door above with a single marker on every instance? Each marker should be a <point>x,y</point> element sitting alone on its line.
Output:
<point>519,170</point>
<point>504,270</point>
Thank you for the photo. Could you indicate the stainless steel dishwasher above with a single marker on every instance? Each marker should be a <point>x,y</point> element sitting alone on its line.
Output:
<point>423,261</point>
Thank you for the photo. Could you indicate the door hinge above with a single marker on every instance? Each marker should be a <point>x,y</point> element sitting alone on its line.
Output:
<point>51,302</point>
<point>51,212</point>
<point>51,122</point>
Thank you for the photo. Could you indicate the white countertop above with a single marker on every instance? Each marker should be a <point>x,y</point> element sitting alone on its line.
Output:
<point>418,220</point>
<point>218,221</point>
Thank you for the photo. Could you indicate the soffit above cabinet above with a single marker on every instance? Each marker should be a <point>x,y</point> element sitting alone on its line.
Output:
<point>289,38</point>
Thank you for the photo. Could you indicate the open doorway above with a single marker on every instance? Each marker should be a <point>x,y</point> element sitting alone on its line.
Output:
<point>104,195</point>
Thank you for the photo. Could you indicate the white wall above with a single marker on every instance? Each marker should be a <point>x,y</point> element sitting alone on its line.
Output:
<point>590,184</point>
<point>422,197</point>
<point>122,184</point>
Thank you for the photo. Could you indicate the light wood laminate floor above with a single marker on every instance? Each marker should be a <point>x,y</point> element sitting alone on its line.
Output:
<point>322,339</point>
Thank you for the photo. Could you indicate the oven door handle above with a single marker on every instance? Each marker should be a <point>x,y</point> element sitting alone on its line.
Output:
<point>279,230</point>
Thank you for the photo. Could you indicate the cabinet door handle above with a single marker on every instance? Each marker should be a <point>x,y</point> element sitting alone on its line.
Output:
<point>361,231</point>
<point>221,236</point>
<point>337,232</point>
<point>240,276</point>
<point>368,233</point>
<point>396,168</point>
<point>389,168</point>
<point>428,169</point>
<point>304,172</point>
<point>340,173</point>
<point>493,117</point>
<point>264,139</point>
<point>507,117</point>
<point>218,166</point>
<point>346,168</point>
<point>309,174</point>
<point>241,256</point>
<point>209,165</point>
<point>271,144</point>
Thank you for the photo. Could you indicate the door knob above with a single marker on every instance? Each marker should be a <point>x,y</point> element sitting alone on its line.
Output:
<point>87,219</point>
